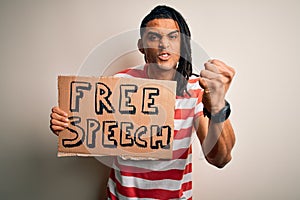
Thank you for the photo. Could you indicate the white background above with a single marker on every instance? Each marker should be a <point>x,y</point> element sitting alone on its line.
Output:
<point>40,40</point>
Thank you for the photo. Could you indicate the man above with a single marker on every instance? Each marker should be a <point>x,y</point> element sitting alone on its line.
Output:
<point>200,105</point>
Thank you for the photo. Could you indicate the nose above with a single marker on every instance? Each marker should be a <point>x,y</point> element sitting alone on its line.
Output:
<point>164,43</point>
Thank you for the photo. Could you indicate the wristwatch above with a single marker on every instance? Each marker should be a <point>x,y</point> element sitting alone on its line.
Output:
<point>221,116</point>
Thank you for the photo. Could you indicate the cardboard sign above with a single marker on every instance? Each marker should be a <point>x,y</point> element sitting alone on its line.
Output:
<point>129,117</point>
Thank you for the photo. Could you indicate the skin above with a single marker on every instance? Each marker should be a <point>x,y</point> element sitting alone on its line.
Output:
<point>161,46</point>
<point>217,139</point>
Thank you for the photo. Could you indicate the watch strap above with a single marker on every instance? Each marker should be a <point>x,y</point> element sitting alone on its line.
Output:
<point>221,116</point>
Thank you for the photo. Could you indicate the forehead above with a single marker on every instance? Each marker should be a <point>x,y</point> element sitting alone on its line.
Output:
<point>162,25</point>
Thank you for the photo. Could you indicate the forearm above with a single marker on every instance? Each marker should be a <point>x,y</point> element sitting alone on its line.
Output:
<point>216,135</point>
<point>218,143</point>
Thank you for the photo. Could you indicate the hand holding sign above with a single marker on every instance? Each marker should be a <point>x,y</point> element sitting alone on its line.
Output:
<point>215,80</point>
<point>59,120</point>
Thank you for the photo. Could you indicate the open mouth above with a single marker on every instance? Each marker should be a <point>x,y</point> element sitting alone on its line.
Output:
<point>164,56</point>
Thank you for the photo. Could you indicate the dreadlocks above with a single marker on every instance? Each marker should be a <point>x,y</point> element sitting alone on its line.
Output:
<point>184,67</point>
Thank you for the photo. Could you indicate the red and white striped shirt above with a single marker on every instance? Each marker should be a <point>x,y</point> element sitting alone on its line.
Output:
<point>161,179</point>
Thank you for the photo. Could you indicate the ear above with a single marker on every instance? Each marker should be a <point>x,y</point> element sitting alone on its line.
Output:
<point>141,46</point>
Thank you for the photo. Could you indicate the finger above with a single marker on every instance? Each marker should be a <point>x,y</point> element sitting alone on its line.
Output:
<point>59,111</point>
<point>217,62</point>
<point>59,117</point>
<point>211,67</point>
<point>209,74</point>
<point>223,68</point>
<point>58,123</point>
<point>211,86</point>
<point>56,129</point>
<point>206,100</point>
<point>203,83</point>
<point>226,71</point>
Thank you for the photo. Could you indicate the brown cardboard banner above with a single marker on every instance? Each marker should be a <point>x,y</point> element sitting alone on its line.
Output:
<point>130,117</point>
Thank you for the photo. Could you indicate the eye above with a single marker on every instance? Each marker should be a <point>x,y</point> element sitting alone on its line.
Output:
<point>153,37</point>
<point>173,36</point>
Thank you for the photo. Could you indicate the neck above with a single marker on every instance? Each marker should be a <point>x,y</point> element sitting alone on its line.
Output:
<point>156,72</point>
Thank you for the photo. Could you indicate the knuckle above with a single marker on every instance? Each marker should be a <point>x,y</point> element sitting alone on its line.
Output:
<point>214,60</point>
<point>61,118</point>
<point>226,80</point>
<point>57,128</point>
<point>230,69</point>
<point>55,122</point>
<point>206,65</point>
<point>54,128</point>
<point>202,72</point>
<point>203,82</point>
<point>54,109</point>
<point>217,69</point>
<point>217,62</point>
<point>233,72</point>
<point>219,77</point>
<point>54,116</point>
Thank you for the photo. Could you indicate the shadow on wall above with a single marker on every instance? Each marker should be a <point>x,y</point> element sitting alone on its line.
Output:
<point>32,171</point>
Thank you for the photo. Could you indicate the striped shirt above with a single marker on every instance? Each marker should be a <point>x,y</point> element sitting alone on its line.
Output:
<point>161,179</point>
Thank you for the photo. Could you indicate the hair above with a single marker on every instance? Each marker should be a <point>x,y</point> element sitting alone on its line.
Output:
<point>184,67</point>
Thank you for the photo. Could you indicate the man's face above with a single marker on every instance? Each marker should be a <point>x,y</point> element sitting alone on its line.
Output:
<point>161,43</point>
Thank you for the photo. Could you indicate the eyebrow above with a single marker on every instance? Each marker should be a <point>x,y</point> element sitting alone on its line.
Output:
<point>157,34</point>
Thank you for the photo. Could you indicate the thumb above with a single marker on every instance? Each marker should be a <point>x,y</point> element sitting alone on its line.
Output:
<point>203,83</point>
<point>206,98</point>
